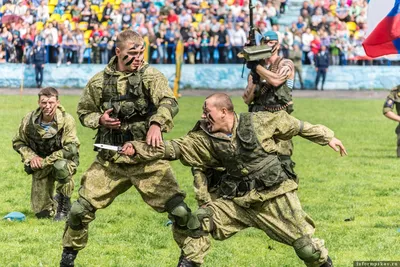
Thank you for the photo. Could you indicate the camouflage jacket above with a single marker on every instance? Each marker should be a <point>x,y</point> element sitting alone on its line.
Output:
<point>64,125</point>
<point>90,107</point>
<point>196,148</point>
<point>392,100</point>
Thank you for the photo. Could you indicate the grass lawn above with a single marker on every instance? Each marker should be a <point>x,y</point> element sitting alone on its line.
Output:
<point>351,199</point>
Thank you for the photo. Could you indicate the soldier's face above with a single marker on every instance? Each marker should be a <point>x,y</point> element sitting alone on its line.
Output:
<point>213,116</point>
<point>48,105</point>
<point>130,56</point>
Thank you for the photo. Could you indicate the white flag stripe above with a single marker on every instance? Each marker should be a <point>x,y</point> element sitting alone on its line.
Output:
<point>377,10</point>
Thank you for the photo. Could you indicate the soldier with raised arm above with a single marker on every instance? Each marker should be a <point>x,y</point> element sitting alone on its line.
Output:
<point>256,192</point>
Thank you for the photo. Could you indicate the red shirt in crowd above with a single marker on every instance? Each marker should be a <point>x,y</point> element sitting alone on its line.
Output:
<point>173,18</point>
<point>315,46</point>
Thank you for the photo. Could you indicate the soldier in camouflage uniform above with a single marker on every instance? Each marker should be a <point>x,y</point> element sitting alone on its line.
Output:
<point>127,101</point>
<point>393,99</point>
<point>269,88</point>
<point>257,192</point>
<point>48,145</point>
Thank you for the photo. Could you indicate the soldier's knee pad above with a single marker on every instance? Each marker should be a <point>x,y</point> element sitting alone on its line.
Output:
<point>78,210</point>
<point>61,172</point>
<point>178,211</point>
<point>306,250</point>
<point>200,222</point>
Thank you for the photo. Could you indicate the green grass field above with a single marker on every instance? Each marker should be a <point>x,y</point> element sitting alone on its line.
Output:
<point>351,199</point>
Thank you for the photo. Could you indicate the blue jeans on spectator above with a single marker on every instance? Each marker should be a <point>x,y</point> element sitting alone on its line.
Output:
<point>205,55</point>
<point>104,56</point>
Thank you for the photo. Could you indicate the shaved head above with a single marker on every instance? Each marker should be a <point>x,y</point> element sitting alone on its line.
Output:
<point>220,101</point>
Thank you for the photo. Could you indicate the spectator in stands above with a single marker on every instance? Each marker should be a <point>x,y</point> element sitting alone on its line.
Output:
<point>306,6</point>
<point>238,39</point>
<point>301,24</point>
<point>70,47</point>
<point>42,13</point>
<point>28,17</point>
<point>173,17</point>
<point>315,47</point>
<point>171,36</point>
<point>160,42</point>
<point>94,43</point>
<point>321,66</point>
<point>93,19</point>
<point>81,46</point>
<point>107,12</point>
<point>222,43</point>
<point>319,4</point>
<point>103,47</point>
<point>306,39</point>
<point>204,48</point>
<point>38,56</point>
<point>50,35</point>
<point>342,12</point>
<point>272,13</point>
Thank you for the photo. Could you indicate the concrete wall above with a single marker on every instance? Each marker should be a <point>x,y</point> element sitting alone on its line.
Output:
<point>222,77</point>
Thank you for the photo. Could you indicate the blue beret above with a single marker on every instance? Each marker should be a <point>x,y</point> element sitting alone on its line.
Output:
<point>270,36</point>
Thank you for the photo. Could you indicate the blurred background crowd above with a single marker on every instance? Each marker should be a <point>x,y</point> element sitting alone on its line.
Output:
<point>212,31</point>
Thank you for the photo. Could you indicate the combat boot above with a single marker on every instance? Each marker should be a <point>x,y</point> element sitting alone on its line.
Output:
<point>68,257</point>
<point>63,208</point>
<point>184,262</point>
<point>328,263</point>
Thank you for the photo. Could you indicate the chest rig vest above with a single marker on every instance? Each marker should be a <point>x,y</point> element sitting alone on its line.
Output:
<point>133,109</point>
<point>43,147</point>
<point>247,164</point>
<point>270,98</point>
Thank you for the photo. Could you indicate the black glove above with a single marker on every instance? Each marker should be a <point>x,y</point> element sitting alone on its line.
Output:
<point>255,76</point>
<point>28,169</point>
<point>252,65</point>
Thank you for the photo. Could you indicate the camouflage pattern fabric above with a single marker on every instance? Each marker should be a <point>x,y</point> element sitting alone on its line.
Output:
<point>43,180</point>
<point>392,101</point>
<point>43,184</point>
<point>90,106</point>
<point>277,214</point>
<point>104,181</point>
<point>275,210</point>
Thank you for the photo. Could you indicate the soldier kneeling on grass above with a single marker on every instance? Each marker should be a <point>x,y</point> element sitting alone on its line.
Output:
<point>48,145</point>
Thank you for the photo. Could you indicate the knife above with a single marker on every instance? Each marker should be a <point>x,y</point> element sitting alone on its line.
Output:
<point>108,147</point>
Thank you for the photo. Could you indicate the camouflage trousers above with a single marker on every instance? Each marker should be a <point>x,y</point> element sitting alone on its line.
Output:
<point>278,213</point>
<point>398,140</point>
<point>43,184</point>
<point>104,181</point>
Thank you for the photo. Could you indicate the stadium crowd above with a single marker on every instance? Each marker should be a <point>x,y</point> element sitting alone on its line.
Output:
<point>212,31</point>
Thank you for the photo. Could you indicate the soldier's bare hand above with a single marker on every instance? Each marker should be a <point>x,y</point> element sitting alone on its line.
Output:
<point>53,110</point>
<point>109,122</point>
<point>36,163</point>
<point>337,145</point>
<point>127,149</point>
<point>154,137</point>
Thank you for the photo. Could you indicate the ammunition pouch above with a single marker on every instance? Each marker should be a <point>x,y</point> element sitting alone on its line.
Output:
<point>271,173</point>
<point>288,166</point>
